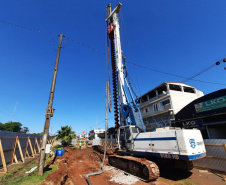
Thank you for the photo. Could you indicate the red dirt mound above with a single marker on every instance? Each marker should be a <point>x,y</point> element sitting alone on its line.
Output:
<point>74,165</point>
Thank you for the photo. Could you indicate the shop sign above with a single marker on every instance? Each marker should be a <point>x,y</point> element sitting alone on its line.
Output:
<point>211,104</point>
<point>192,124</point>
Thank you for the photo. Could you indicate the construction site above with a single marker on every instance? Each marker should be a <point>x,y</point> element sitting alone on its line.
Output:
<point>173,134</point>
<point>75,164</point>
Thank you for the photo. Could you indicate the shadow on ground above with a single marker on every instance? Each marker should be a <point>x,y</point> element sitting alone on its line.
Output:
<point>174,174</point>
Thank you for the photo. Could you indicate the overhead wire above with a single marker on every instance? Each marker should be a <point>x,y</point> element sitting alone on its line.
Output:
<point>28,28</point>
<point>6,114</point>
<point>96,125</point>
<point>49,33</point>
<point>171,74</point>
<point>202,71</point>
<point>104,53</point>
<point>84,45</point>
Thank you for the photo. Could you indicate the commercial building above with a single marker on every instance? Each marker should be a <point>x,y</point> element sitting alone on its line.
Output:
<point>159,105</point>
<point>96,133</point>
<point>207,113</point>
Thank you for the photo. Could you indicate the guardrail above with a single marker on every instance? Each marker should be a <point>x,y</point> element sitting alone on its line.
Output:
<point>30,147</point>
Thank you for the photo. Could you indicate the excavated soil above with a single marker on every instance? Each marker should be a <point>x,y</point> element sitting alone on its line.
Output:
<point>75,164</point>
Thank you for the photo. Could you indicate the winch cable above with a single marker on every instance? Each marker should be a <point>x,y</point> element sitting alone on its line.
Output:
<point>109,74</point>
<point>105,140</point>
<point>128,77</point>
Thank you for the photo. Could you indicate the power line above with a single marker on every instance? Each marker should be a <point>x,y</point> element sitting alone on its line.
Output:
<point>202,71</point>
<point>84,45</point>
<point>97,124</point>
<point>49,33</point>
<point>155,70</point>
<point>28,28</point>
<point>104,53</point>
<point>6,114</point>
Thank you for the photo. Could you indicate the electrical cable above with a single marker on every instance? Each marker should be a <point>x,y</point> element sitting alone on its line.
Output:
<point>103,53</point>
<point>6,114</point>
<point>28,28</point>
<point>186,79</point>
<point>155,70</point>
<point>49,33</point>
<point>202,71</point>
<point>96,125</point>
<point>84,45</point>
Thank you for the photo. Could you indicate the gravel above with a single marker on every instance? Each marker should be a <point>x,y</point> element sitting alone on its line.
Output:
<point>120,177</point>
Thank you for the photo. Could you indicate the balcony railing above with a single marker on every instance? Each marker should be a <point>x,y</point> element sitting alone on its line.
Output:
<point>152,112</point>
<point>153,99</point>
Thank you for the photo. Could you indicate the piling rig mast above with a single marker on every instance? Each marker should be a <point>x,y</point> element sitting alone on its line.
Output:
<point>170,146</point>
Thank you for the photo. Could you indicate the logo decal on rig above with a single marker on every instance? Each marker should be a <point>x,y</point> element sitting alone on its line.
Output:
<point>192,142</point>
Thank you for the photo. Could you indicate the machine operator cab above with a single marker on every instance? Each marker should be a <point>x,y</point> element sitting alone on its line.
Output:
<point>126,135</point>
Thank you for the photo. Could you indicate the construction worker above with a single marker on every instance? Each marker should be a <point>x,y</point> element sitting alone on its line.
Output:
<point>80,145</point>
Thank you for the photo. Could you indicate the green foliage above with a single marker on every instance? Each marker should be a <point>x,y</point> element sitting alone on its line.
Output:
<point>11,126</point>
<point>25,130</point>
<point>66,135</point>
<point>38,133</point>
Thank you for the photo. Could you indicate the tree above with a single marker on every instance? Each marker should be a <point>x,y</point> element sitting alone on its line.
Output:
<point>39,133</point>
<point>66,135</point>
<point>11,126</point>
<point>25,130</point>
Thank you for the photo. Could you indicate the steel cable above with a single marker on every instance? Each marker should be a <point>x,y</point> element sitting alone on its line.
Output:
<point>105,141</point>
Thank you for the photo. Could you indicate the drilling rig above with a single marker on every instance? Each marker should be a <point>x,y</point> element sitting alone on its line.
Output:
<point>139,149</point>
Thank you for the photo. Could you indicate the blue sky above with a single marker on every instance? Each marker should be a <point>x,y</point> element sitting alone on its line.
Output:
<point>178,37</point>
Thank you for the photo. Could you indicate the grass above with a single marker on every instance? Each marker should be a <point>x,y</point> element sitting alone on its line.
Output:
<point>18,176</point>
<point>60,146</point>
<point>73,146</point>
<point>185,182</point>
<point>179,182</point>
<point>57,147</point>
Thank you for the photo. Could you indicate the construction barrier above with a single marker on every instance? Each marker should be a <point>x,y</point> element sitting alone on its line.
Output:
<point>215,156</point>
<point>14,149</point>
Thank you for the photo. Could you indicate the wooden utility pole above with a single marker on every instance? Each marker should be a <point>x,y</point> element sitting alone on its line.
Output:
<point>49,112</point>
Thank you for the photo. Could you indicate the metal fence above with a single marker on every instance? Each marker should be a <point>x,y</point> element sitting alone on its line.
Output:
<point>215,155</point>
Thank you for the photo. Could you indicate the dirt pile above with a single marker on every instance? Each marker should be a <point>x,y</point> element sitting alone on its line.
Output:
<point>74,165</point>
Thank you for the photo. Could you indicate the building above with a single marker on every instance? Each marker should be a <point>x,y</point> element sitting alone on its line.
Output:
<point>96,133</point>
<point>112,134</point>
<point>159,105</point>
<point>207,113</point>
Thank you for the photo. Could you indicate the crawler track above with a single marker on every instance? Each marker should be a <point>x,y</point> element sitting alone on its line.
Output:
<point>140,167</point>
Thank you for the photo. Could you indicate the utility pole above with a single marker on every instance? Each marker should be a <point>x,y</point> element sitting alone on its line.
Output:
<point>49,112</point>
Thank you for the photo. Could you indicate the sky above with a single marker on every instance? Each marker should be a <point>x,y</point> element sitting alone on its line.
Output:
<point>177,37</point>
